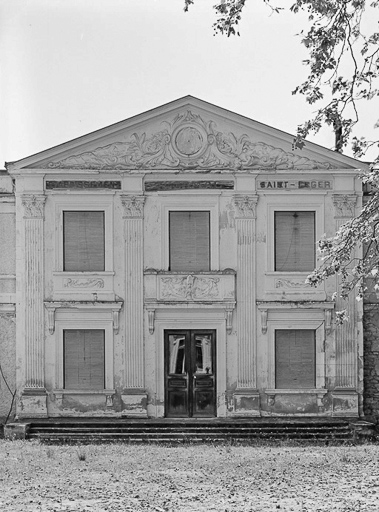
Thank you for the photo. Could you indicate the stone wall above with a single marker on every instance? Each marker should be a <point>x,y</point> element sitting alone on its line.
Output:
<point>371,360</point>
<point>7,296</point>
<point>7,363</point>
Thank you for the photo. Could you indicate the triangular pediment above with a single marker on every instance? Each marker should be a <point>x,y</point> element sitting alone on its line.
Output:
<point>186,134</point>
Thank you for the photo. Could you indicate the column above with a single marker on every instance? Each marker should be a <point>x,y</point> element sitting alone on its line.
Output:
<point>345,398</point>
<point>134,396</point>
<point>33,398</point>
<point>246,397</point>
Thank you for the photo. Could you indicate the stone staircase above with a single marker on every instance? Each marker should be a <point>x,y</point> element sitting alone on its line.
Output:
<point>65,430</point>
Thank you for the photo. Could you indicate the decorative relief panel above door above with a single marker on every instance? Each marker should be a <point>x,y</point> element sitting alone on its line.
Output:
<point>189,288</point>
<point>180,287</point>
<point>213,289</point>
<point>188,142</point>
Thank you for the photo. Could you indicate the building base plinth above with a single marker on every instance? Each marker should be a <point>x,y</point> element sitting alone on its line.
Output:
<point>13,431</point>
<point>32,404</point>
<point>134,404</point>
<point>345,402</point>
<point>246,403</point>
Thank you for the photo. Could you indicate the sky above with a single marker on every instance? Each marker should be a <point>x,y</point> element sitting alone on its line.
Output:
<point>69,67</point>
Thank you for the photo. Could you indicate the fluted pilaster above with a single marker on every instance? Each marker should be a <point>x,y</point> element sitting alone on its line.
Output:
<point>245,224</point>
<point>134,345</point>
<point>346,335</point>
<point>33,291</point>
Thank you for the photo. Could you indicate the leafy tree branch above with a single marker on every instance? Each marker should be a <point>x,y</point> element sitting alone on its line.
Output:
<point>343,61</point>
<point>343,72</point>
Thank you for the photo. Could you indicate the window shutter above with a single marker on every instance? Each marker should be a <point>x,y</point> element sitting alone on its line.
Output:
<point>84,245</point>
<point>295,359</point>
<point>84,359</point>
<point>189,241</point>
<point>295,241</point>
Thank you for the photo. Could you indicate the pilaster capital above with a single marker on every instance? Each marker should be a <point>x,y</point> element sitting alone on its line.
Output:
<point>33,205</point>
<point>246,205</point>
<point>344,205</point>
<point>133,206</point>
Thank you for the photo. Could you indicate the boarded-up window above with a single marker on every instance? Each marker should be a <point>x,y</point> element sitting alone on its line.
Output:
<point>84,359</point>
<point>83,241</point>
<point>189,241</point>
<point>295,358</point>
<point>294,241</point>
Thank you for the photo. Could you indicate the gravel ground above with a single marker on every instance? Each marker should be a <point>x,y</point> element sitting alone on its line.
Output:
<point>222,478</point>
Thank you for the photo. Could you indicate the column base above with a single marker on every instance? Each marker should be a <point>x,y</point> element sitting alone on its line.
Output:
<point>345,402</point>
<point>134,403</point>
<point>246,402</point>
<point>32,403</point>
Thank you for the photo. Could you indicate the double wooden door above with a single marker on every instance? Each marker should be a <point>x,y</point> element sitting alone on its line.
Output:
<point>190,373</point>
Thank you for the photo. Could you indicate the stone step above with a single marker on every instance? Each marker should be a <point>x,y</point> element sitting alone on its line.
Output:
<point>72,439</point>
<point>189,430</point>
<point>67,430</point>
<point>167,432</point>
<point>193,434</point>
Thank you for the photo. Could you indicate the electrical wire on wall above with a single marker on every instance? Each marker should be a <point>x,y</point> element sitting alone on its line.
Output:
<point>10,391</point>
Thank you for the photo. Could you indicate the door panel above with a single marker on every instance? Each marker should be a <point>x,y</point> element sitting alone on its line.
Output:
<point>190,378</point>
<point>176,374</point>
<point>203,398</point>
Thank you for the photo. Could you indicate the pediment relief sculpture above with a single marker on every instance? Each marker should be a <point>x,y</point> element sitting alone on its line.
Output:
<point>188,142</point>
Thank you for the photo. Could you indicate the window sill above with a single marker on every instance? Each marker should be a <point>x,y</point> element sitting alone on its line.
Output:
<point>301,391</point>
<point>84,273</point>
<point>293,273</point>
<point>60,392</point>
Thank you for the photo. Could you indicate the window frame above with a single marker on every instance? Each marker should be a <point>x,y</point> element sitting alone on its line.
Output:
<point>276,212</point>
<point>297,324</point>
<point>80,320</point>
<point>65,364</point>
<point>302,204</point>
<point>314,355</point>
<point>170,241</point>
<point>64,239</point>
<point>280,317</point>
<point>190,202</point>
<point>102,203</point>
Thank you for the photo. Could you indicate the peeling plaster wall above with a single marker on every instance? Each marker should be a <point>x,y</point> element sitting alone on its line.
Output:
<point>7,253</point>
<point>8,363</point>
<point>7,297</point>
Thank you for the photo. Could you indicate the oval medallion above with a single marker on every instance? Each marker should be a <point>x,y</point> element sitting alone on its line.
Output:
<point>189,141</point>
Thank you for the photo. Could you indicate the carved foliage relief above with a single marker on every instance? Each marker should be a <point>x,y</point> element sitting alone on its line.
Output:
<point>189,288</point>
<point>246,205</point>
<point>344,204</point>
<point>290,283</point>
<point>188,142</point>
<point>83,283</point>
<point>133,206</point>
<point>33,205</point>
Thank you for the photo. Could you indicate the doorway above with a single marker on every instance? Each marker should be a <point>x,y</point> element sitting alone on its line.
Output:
<point>190,373</point>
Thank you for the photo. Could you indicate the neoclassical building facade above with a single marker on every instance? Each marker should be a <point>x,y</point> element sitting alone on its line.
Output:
<point>157,267</point>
